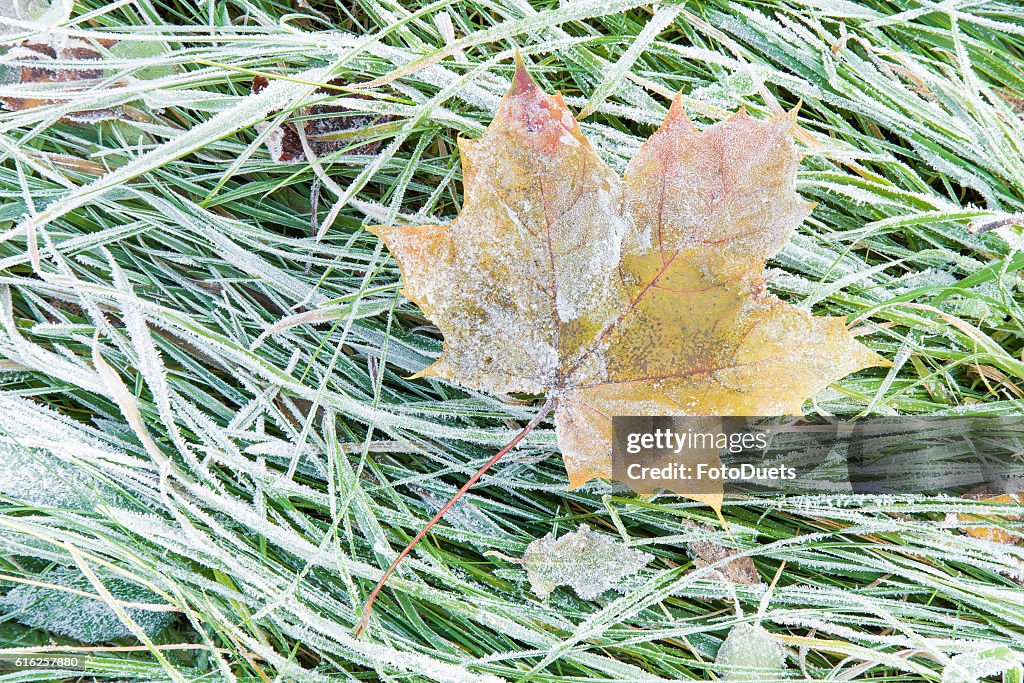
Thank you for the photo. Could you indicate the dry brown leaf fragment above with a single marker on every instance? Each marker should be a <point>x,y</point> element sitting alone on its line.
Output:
<point>328,128</point>
<point>76,66</point>
<point>641,295</point>
<point>740,569</point>
<point>47,62</point>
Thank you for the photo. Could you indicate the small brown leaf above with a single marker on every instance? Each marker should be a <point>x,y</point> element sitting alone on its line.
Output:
<point>47,66</point>
<point>741,569</point>
<point>738,570</point>
<point>328,128</point>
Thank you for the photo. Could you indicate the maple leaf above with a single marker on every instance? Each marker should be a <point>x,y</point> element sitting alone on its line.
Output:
<point>641,295</point>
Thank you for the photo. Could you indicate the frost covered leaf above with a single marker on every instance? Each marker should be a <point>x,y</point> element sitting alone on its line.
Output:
<point>589,562</point>
<point>81,618</point>
<point>40,452</point>
<point>636,296</point>
<point>741,569</point>
<point>72,64</point>
<point>328,128</point>
<point>749,653</point>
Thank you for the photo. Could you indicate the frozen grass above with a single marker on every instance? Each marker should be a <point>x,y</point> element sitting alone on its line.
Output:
<point>233,389</point>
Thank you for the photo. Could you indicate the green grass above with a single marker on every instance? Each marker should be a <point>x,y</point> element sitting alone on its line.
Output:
<point>257,479</point>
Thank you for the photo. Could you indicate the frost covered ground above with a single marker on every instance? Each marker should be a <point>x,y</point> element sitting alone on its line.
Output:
<point>209,444</point>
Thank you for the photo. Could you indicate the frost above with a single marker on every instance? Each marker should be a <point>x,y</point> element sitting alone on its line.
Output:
<point>749,653</point>
<point>17,543</point>
<point>588,562</point>
<point>84,619</point>
<point>930,277</point>
<point>465,518</point>
<point>727,93</point>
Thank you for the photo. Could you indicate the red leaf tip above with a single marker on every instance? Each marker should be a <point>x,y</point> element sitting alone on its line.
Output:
<point>522,81</point>
<point>677,115</point>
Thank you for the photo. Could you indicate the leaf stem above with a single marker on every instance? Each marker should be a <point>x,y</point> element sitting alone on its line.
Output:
<point>548,406</point>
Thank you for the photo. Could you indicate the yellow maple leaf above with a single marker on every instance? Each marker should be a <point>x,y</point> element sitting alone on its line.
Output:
<point>641,295</point>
